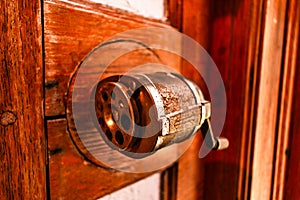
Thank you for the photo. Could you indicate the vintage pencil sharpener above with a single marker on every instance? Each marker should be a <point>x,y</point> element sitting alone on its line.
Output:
<point>139,114</point>
<point>123,107</point>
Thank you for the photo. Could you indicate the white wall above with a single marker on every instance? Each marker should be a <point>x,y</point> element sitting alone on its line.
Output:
<point>147,8</point>
<point>146,189</point>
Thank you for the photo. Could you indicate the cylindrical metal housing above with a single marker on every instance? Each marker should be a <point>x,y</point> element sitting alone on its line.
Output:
<point>141,113</point>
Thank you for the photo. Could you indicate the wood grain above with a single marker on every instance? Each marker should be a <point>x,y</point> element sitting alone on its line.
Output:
<point>22,141</point>
<point>251,93</point>
<point>175,13</point>
<point>190,183</point>
<point>72,176</point>
<point>72,30</point>
<point>292,174</point>
<point>287,125</point>
<point>265,131</point>
<point>168,183</point>
<point>256,47</point>
<point>228,39</point>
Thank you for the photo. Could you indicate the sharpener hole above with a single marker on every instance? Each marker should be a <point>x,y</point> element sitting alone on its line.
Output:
<point>119,137</point>
<point>104,96</point>
<point>108,134</point>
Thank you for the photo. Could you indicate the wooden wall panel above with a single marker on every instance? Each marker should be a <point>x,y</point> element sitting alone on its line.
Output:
<point>72,176</point>
<point>72,30</point>
<point>230,31</point>
<point>22,138</point>
<point>211,25</point>
<point>255,44</point>
<point>228,42</point>
<point>238,39</point>
<point>233,29</point>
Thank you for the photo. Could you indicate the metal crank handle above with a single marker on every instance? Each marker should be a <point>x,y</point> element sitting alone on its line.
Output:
<point>214,143</point>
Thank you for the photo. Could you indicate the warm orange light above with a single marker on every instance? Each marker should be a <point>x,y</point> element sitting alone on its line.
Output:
<point>110,122</point>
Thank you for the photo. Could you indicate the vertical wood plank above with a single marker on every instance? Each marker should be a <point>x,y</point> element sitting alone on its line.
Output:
<point>22,141</point>
<point>251,91</point>
<point>288,92</point>
<point>228,47</point>
<point>292,175</point>
<point>288,181</point>
<point>174,13</point>
<point>231,38</point>
<point>195,24</point>
<point>265,131</point>
<point>168,183</point>
<point>191,173</point>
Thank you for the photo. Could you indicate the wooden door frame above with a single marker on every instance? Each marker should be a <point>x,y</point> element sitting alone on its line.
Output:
<point>272,31</point>
<point>23,144</point>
